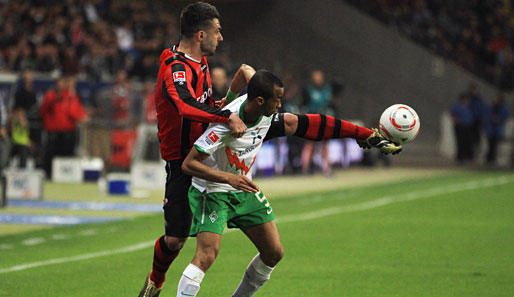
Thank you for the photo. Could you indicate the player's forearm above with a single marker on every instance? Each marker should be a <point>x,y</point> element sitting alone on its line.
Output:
<point>241,78</point>
<point>195,167</point>
<point>320,126</point>
<point>240,81</point>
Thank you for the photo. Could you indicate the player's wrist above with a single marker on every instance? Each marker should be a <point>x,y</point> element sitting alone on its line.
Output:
<point>231,96</point>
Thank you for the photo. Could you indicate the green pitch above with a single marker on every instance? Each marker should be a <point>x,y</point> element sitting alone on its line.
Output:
<point>448,235</point>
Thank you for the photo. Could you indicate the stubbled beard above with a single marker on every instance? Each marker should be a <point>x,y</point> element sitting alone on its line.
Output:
<point>208,51</point>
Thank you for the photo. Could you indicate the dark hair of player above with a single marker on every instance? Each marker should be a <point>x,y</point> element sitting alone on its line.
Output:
<point>195,17</point>
<point>263,84</point>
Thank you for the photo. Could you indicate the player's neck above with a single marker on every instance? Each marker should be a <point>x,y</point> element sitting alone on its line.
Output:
<point>250,113</point>
<point>191,49</point>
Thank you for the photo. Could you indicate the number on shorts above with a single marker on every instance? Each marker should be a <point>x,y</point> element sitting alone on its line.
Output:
<point>264,200</point>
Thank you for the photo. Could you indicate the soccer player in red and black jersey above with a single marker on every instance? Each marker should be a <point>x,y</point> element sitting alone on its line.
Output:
<point>184,105</point>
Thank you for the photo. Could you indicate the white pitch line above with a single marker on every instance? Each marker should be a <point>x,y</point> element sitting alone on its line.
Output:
<point>132,248</point>
<point>472,185</point>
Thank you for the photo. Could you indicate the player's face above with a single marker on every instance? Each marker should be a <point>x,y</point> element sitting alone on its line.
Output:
<point>212,39</point>
<point>272,105</point>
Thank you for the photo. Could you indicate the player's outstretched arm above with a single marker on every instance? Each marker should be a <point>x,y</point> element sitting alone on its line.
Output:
<point>320,127</point>
<point>193,165</point>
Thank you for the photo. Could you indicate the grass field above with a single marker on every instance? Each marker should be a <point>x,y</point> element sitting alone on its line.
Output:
<point>447,234</point>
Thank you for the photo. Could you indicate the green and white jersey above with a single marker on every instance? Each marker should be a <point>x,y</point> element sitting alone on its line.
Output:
<point>226,153</point>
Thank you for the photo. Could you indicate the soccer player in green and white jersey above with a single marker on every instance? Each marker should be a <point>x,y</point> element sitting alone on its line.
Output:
<point>222,190</point>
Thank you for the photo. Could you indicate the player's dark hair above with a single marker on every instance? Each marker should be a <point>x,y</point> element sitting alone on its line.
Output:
<point>263,84</point>
<point>195,17</point>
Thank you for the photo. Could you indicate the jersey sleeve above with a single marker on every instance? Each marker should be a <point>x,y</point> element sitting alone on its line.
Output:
<point>212,139</point>
<point>277,128</point>
<point>177,88</point>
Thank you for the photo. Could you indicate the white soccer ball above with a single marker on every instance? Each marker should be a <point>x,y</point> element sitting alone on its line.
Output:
<point>399,123</point>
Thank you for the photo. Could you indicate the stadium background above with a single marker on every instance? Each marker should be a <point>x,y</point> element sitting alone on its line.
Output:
<point>380,52</point>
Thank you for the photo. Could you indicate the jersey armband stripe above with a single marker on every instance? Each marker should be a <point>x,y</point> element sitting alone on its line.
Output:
<point>303,125</point>
<point>200,149</point>
<point>337,129</point>
<point>321,130</point>
<point>277,128</point>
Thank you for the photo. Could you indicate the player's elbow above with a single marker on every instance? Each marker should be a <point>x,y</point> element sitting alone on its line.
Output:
<point>290,123</point>
<point>248,70</point>
<point>186,167</point>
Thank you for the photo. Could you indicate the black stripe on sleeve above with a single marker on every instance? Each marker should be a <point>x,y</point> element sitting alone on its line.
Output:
<point>337,129</point>
<point>303,125</point>
<point>322,126</point>
<point>277,128</point>
<point>184,137</point>
<point>167,95</point>
<point>187,97</point>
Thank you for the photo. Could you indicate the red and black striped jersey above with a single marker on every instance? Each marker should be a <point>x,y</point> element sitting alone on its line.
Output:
<point>184,103</point>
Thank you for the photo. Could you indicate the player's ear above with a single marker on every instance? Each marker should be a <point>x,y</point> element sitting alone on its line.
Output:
<point>200,35</point>
<point>260,100</point>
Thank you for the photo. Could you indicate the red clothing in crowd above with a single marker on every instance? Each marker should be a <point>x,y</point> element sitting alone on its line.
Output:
<point>61,111</point>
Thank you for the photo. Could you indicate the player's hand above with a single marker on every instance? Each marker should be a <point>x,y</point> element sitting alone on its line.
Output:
<point>242,183</point>
<point>221,103</point>
<point>380,142</point>
<point>236,125</point>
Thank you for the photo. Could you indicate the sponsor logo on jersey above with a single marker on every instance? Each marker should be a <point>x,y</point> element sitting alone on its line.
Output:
<point>204,96</point>
<point>233,159</point>
<point>256,135</point>
<point>180,77</point>
<point>246,150</point>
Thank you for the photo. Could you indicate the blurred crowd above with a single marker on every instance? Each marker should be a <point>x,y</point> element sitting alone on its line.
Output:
<point>477,35</point>
<point>474,118</point>
<point>88,37</point>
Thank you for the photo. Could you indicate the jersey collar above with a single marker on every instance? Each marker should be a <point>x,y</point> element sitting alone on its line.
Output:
<point>175,50</point>
<point>241,115</point>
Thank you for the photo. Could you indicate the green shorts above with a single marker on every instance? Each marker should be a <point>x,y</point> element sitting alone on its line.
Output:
<point>238,210</point>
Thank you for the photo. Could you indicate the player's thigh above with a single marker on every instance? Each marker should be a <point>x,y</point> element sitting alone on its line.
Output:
<point>266,239</point>
<point>177,214</point>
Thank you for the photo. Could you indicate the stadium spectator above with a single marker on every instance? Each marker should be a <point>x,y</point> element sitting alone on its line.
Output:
<point>478,109</point>
<point>317,98</point>
<point>3,135</point>
<point>61,112</point>
<point>495,119</point>
<point>25,97</point>
<point>463,124</point>
<point>25,100</point>
<point>291,103</point>
<point>219,82</point>
<point>20,140</point>
<point>122,100</point>
<point>505,69</point>
<point>150,117</point>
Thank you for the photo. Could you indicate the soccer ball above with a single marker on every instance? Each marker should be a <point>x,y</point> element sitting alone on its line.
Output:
<point>399,123</point>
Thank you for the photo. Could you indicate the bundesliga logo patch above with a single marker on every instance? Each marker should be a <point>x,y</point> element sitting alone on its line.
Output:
<point>213,137</point>
<point>180,77</point>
